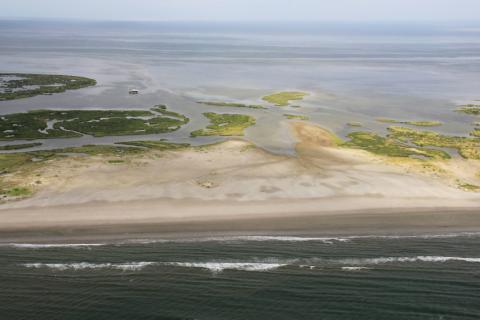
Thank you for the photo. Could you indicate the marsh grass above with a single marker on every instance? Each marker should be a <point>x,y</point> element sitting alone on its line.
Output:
<point>385,146</point>
<point>225,125</point>
<point>295,117</point>
<point>468,147</point>
<point>20,146</point>
<point>232,105</point>
<point>157,145</point>
<point>47,84</point>
<point>418,123</point>
<point>74,123</point>
<point>471,109</point>
<point>282,99</point>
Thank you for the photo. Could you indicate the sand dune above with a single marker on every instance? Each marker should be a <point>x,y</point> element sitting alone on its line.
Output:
<point>230,180</point>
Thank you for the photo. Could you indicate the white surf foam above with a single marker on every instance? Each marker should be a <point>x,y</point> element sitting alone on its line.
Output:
<point>221,266</point>
<point>419,236</point>
<point>354,268</point>
<point>130,266</point>
<point>327,240</point>
<point>52,245</point>
<point>384,260</point>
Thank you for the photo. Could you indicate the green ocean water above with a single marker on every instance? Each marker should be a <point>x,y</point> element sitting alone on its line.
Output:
<point>251,277</point>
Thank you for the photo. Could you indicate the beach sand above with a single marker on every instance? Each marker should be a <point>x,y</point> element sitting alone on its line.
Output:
<point>235,186</point>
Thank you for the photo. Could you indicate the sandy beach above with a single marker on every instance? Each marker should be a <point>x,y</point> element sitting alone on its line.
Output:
<point>235,186</point>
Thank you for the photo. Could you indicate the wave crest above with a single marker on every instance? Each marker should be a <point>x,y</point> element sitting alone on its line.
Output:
<point>130,266</point>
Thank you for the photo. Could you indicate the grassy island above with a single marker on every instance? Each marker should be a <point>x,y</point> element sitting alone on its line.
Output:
<point>468,148</point>
<point>232,105</point>
<point>24,85</point>
<point>282,99</point>
<point>295,117</point>
<point>386,146</point>
<point>225,125</point>
<point>45,124</point>
<point>472,109</point>
<point>418,123</point>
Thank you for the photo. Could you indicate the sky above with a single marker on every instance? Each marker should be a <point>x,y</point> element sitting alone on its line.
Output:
<point>244,10</point>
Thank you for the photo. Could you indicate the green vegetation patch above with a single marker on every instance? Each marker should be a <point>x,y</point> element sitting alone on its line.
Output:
<point>295,117</point>
<point>475,133</point>
<point>472,109</point>
<point>469,187</point>
<point>157,145</point>
<point>23,85</point>
<point>225,125</point>
<point>18,192</point>
<point>282,99</point>
<point>10,162</point>
<point>20,146</point>
<point>45,124</point>
<point>89,149</point>
<point>390,147</point>
<point>232,104</point>
<point>355,124</point>
<point>418,123</point>
<point>116,161</point>
<point>467,147</point>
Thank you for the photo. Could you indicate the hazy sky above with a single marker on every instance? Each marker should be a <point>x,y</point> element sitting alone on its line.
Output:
<point>244,10</point>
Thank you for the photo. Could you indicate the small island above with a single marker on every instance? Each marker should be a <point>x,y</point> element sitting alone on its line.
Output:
<point>471,109</point>
<point>282,99</point>
<point>225,125</point>
<point>418,123</point>
<point>232,105</point>
<point>25,85</point>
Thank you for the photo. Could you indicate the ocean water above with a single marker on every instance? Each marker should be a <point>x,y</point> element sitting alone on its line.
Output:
<point>245,277</point>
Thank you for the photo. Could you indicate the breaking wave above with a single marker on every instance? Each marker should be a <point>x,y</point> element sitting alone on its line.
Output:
<point>385,260</point>
<point>52,245</point>
<point>257,238</point>
<point>354,268</point>
<point>130,266</point>
<point>221,266</point>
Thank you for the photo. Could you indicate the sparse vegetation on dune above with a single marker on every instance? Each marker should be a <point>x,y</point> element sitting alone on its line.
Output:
<point>282,99</point>
<point>225,125</point>
<point>469,187</point>
<point>24,85</point>
<point>232,104</point>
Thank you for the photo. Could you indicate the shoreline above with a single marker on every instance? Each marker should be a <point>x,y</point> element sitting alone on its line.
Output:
<point>182,224</point>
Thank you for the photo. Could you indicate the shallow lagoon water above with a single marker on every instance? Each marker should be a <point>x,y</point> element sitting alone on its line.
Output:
<point>354,73</point>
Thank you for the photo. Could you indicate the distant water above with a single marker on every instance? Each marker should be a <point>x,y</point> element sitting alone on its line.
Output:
<point>355,72</point>
<point>245,277</point>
